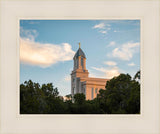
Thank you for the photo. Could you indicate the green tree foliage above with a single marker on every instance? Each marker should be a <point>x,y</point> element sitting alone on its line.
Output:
<point>121,96</point>
<point>81,106</point>
<point>79,98</point>
<point>137,76</point>
<point>36,99</point>
<point>69,97</point>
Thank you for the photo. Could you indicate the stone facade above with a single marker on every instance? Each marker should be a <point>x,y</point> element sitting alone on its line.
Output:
<point>80,80</point>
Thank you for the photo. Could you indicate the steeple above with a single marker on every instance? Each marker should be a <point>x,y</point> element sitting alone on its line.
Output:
<point>79,71</point>
<point>80,80</point>
<point>79,59</point>
<point>79,53</point>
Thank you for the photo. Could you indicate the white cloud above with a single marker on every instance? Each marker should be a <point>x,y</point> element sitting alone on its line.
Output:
<point>29,34</point>
<point>110,63</point>
<point>108,73</point>
<point>104,32</point>
<point>100,26</point>
<point>126,51</point>
<point>112,43</point>
<point>103,27</point>
<point>99,69</point>
<point>44,55</point>
<point>131,64</point>
<point>92,74</point>
<point>39,54</point>
<point>116,31</point>
<point>108,25</point>
<point>67,78</point>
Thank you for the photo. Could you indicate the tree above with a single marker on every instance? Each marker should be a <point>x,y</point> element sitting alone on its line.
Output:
<point>36,99</point>
<point>49,89</point>
<point>79,98</point>
<point>122,96</point>
<point>137,75</point>
<point>69,97</point>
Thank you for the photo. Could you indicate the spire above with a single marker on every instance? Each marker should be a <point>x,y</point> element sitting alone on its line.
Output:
<point>79,45</point>
<point>79,52</point>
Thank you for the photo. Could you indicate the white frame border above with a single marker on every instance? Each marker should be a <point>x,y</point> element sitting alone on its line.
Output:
<point>12,122</point>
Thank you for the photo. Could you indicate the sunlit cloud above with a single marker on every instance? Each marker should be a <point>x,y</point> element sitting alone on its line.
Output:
<point>110,63</point>
<point>108,73</point>
<point>125,51</point>
<point>67,78</point>
<point>106,25</point>
<point>100,26</point>
<point>44,55</point>
<point>104,32</point>
<point>91,74</point>
<point>131,64</point>
<point>112,43</point>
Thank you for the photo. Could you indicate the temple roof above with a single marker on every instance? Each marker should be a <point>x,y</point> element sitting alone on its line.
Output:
<point>79,53</point>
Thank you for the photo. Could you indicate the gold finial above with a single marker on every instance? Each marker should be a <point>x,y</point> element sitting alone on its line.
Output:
<point>79,45</point>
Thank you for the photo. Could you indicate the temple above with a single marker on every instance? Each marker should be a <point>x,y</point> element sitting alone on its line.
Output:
<point>80,80</point>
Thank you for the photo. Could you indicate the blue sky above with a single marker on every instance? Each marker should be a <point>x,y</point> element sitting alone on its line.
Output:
<point>47,48</point>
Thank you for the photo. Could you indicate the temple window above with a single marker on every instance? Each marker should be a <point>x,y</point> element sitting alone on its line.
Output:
<point>81,61</point>
<point>92,93</point>
<point>96,90</point>
<point>73,80</point>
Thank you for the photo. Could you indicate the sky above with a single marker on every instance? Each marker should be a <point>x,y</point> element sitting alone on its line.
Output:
<point>47,48</point>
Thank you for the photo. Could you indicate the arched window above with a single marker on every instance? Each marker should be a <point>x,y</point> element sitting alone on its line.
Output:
<point>81,61</point>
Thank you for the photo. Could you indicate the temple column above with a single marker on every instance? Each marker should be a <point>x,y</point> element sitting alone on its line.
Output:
<point>80,90</point>
<point>84,63</point>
